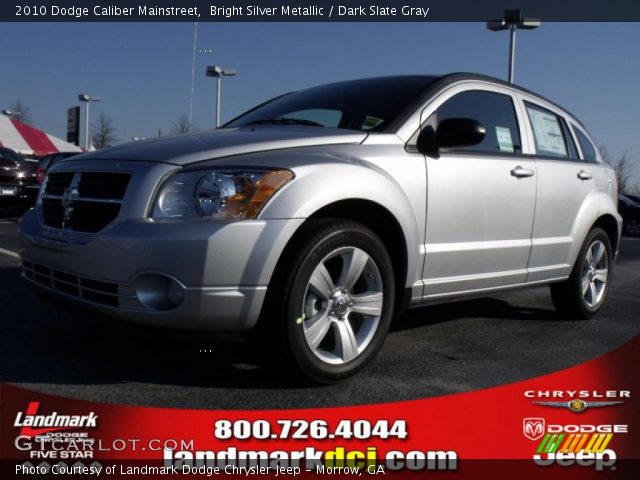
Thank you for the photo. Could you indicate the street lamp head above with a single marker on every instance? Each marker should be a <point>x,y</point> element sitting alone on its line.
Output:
<point>216,71</point>
<point>497,25</point>
<point>513,18</point>
<point>83,97</point>
<point>529,23</point>
<point>11,113</point>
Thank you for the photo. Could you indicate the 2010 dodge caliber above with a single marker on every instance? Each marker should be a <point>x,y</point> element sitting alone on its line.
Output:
<point>318,215</point>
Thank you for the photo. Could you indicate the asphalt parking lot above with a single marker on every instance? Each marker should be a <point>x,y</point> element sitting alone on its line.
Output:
<point>431,351</point>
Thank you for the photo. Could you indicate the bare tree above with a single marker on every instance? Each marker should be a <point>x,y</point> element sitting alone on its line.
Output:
<point>182,125</point>
<point>103,132</point>
<point>623,168</point>
<point>21,111</point>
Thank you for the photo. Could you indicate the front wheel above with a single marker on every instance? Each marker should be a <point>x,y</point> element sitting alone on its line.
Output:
<point>584,293</point>
<point>337,296</point>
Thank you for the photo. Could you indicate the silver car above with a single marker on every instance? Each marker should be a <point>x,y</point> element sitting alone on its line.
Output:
<point>316,217</point>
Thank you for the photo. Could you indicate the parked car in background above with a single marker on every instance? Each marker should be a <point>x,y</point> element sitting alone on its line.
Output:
<point>18,177</point>
<point>49,161</point>
<point>318,216</point>
<point>629,208</point>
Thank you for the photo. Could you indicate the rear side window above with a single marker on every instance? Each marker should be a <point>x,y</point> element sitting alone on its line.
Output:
<point>496,113</point>
<point>571,146</point>
<point>588,150</point>
<point>547,132</point>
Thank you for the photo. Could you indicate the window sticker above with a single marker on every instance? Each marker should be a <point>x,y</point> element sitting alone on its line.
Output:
<point>505,144</point>
<point>547,132</point>
<point>371,122</point>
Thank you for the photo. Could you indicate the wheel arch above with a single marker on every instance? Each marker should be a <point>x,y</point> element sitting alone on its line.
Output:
<point>610,225</point>
<point>386,226</point>
<point>373,216</point>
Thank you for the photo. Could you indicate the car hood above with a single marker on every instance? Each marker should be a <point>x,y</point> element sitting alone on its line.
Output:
<point>225,142</point>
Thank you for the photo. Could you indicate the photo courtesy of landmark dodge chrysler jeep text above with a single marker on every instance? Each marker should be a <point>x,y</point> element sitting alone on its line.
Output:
<point>318,215</point>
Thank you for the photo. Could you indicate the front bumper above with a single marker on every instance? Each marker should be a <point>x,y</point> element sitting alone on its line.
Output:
<point>222,268</point>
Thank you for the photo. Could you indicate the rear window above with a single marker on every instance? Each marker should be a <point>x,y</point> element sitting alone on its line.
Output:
<point>9,159</point>
<point>588,150</point>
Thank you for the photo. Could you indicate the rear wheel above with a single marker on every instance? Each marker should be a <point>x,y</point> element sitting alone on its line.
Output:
<point>584,293</point>
<point>632,227</point>
<point>334,302</point>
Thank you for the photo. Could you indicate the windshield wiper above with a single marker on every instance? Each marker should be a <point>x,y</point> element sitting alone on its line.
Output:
<point>286,121</point>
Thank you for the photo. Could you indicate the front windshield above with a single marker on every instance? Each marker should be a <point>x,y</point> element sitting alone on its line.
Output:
<point>366,105</point>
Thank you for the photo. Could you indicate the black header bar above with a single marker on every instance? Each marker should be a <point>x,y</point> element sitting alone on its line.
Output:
<point>310,11</point>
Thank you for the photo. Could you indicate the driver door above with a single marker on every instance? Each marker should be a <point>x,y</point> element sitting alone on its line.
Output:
<point>480,199</point>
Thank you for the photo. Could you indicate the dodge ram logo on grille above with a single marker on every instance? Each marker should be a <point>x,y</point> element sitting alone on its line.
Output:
<point>69,196</point>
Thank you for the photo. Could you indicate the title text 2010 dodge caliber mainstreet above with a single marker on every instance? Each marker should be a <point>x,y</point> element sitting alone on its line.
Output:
<point>318,215</point>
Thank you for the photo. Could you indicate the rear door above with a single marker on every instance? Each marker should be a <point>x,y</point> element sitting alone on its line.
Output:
<point>564,182</point>
<point>480,199</point>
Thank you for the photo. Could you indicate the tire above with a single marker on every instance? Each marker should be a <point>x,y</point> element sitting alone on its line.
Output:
<point>584,293</point>
<point>331,320</point>
<point>632,227</point>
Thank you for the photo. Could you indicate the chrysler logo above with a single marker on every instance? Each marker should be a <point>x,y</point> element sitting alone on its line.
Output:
<point>577,405</point>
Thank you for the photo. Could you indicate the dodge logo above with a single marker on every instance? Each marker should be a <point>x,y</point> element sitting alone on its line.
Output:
<point>533,428</point>
<point>67,197</point>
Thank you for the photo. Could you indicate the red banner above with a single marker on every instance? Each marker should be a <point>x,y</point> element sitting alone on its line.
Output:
<point>576,423</point>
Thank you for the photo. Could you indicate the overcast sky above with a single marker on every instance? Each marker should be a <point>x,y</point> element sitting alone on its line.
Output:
<point>142,71</point>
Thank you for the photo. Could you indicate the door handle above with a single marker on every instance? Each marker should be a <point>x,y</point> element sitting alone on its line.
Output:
<point>521,172</point>
<point>582,175</point>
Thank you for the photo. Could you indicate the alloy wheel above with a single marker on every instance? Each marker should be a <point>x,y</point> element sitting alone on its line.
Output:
<point>342,305</point>
<point>595,273</point>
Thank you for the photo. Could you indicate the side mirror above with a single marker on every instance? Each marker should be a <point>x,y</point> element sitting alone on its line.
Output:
<point>451,133</point>
<point>459,132</point>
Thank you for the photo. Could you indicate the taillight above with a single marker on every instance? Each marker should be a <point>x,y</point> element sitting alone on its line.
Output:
<point>40,174</point>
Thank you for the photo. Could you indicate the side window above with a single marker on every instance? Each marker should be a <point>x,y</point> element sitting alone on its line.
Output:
<point>588,150</point>
<point>547,132</point>
<point>496,113</point>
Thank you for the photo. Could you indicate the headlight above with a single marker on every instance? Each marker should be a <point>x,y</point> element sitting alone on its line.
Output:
<point>224,194</point>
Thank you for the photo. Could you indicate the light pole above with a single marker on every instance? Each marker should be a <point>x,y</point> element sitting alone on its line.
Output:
<point>83,97</point>
<point>218,73</point>
<point>512,21</point>
<point>11,114</point>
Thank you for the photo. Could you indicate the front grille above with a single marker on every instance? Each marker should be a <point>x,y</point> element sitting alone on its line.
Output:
<point>103,185</point>
<point>52,212</point>
<point>104,293</point>
<point>83,201</point>
<point>57,182</point>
